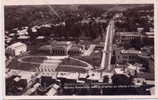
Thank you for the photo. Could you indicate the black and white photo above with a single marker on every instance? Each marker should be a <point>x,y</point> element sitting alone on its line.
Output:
<point>79,50</point>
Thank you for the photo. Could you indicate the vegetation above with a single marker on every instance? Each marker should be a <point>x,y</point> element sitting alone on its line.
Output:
<point>134,18</point>
<point>73,16</point>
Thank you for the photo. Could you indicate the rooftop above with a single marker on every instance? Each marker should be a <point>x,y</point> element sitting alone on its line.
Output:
<point>119,71</point>
<point>68,75</point>
<point>15,45</point>
<point>128,33</point>
<point>61,43</point>
<point>131,51</point>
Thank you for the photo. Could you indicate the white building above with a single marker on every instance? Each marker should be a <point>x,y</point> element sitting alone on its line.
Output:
<point>16,49</point>
<point>53,90</point>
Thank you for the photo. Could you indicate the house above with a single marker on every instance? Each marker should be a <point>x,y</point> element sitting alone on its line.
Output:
<point>16,49</point>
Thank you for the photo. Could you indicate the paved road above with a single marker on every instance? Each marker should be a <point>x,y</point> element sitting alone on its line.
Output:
<point>107,51</point>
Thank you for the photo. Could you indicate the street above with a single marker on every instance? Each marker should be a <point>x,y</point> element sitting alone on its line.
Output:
<point>107,51</point>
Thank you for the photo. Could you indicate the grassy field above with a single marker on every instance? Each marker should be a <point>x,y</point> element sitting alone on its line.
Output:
<point>68,65</point>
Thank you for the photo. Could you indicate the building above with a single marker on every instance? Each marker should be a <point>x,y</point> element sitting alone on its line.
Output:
<point>53,91</point>
<point>94,76</point>
<point>16,49</point>
<point>62,48</point>
<point>126,37</point>
<point>68,75</point>
<point>149,38</point>
<point>132,70</point>
<point>75,50</point>
<point>127,56</point>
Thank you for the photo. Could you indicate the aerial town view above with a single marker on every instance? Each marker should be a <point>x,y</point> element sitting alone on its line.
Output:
<point>75,50</point>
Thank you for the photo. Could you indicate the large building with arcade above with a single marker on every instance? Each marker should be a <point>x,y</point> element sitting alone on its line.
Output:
<point>62,48</point>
